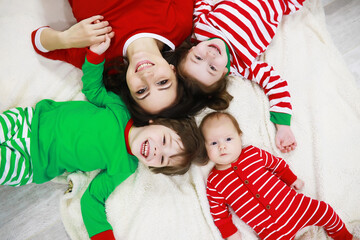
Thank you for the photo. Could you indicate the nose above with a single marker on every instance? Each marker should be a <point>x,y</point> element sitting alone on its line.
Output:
<point>147,75</point>
<point>210,52</point>
<point>222,146</point>
<point>162,151</point>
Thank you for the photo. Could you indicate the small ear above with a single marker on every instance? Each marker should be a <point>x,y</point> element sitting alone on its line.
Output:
<point>225,71</point>
<point>151,121</point>
<point>173,68</point>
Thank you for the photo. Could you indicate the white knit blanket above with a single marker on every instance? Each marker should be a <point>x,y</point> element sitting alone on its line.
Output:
<point>326,123</point>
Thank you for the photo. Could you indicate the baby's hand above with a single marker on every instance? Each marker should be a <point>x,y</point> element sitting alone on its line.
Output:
<point>298,184</point>
<point>235,236</point>
<point>100,48</point>
<point>285,139</point>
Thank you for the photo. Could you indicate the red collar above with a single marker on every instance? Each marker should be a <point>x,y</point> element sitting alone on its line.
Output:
<point>127,131</point>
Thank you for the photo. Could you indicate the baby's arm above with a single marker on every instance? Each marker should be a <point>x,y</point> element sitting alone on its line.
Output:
<point>82,34</point>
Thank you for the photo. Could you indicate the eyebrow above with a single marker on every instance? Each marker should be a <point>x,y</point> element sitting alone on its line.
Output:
<point>148,93</point>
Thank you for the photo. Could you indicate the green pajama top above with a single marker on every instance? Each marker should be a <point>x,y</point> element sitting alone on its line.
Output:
<point>80,135</point>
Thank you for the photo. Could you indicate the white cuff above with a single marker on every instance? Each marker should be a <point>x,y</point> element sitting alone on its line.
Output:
<point>37,40</point>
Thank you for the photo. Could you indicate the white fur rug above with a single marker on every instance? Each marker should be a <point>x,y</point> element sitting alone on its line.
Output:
<point>326,122</point>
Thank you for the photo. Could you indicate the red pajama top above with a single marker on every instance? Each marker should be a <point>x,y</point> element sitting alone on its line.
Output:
<point>248,28</point>
<point>256,187</point>
<point>169,21</point>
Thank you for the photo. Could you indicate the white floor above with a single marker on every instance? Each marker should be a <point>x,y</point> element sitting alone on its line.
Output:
<point>343,20</point>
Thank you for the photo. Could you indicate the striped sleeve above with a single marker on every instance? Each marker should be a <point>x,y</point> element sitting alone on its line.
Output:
<point>278,167</point>
<point>275,88</point>
<point>219,210</point>
<point>201,7</point>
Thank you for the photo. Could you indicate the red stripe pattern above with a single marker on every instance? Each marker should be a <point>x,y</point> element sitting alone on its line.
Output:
<point>256,187</point>
<point>248,28</point>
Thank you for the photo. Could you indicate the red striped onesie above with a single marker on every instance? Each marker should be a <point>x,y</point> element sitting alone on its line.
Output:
<point>256,187</point>
<point>248,28</point>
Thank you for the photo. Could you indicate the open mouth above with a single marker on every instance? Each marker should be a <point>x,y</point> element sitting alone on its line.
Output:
<point>216,47</point>
<point>143,65</point>
<point>145,149</point>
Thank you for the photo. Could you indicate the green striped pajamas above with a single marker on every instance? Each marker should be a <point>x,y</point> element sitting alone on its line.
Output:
<point>15,162</point>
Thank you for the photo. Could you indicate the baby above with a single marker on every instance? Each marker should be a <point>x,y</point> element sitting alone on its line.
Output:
<point>259,187</point>
<point>230,37</point>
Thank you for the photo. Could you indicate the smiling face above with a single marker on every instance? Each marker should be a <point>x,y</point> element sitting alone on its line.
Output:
<point>222,141</point>
<point>205,62</point>
<point>152,82</point>
<point>156,146</point>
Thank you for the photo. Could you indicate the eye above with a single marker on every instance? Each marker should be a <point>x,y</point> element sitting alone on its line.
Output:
<point>212,68</point>
<point>163,82</point>
<point>162,160</point>
<point>228,139</point>
<point>213,143</point>
<point>141,91</point>
<point>164,140</point>
<point>198,57</point>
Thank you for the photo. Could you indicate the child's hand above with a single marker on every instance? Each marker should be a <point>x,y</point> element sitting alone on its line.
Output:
<point>87,32</point>
<point>235,236</point>
<point>285,139</point>
<point>298,184</point>
<point>100,48</point>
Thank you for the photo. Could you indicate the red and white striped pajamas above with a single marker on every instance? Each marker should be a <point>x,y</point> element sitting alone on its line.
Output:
<point>248,26</point>
<point>257,187</point>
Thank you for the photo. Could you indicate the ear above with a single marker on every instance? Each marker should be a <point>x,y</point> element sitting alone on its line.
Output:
<point>151,121</point>
<point>225,71</point>
<point>173,68</point>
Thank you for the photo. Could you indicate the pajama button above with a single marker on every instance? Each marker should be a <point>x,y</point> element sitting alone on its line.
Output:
<point>246,182</point>
<point>268,207</point>
<point>235,167</point>
<point>257,196</point>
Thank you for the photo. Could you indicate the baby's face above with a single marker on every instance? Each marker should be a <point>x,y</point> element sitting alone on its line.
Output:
<point>157,146</point>
<point>206,62</point>
<point>222,141</point>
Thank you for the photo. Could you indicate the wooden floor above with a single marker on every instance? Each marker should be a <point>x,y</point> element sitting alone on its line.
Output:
<point>343,21</point>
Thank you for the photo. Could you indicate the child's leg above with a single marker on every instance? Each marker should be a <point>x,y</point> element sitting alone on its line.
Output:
<point>326,217</point>
<point>15,162</point>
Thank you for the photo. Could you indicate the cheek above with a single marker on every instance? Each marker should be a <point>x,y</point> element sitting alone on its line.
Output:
<point>211,152</point>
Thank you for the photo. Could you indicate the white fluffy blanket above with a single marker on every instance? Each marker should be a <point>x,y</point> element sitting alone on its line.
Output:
<point>326,122</point>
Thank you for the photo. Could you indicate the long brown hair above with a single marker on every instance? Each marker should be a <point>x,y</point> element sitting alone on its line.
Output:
<point>190,101</point>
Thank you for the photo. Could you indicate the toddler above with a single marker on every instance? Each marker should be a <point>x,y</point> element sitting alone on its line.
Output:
<point>259,187</point>
<point>230,37</point>
<point>38,144</point>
